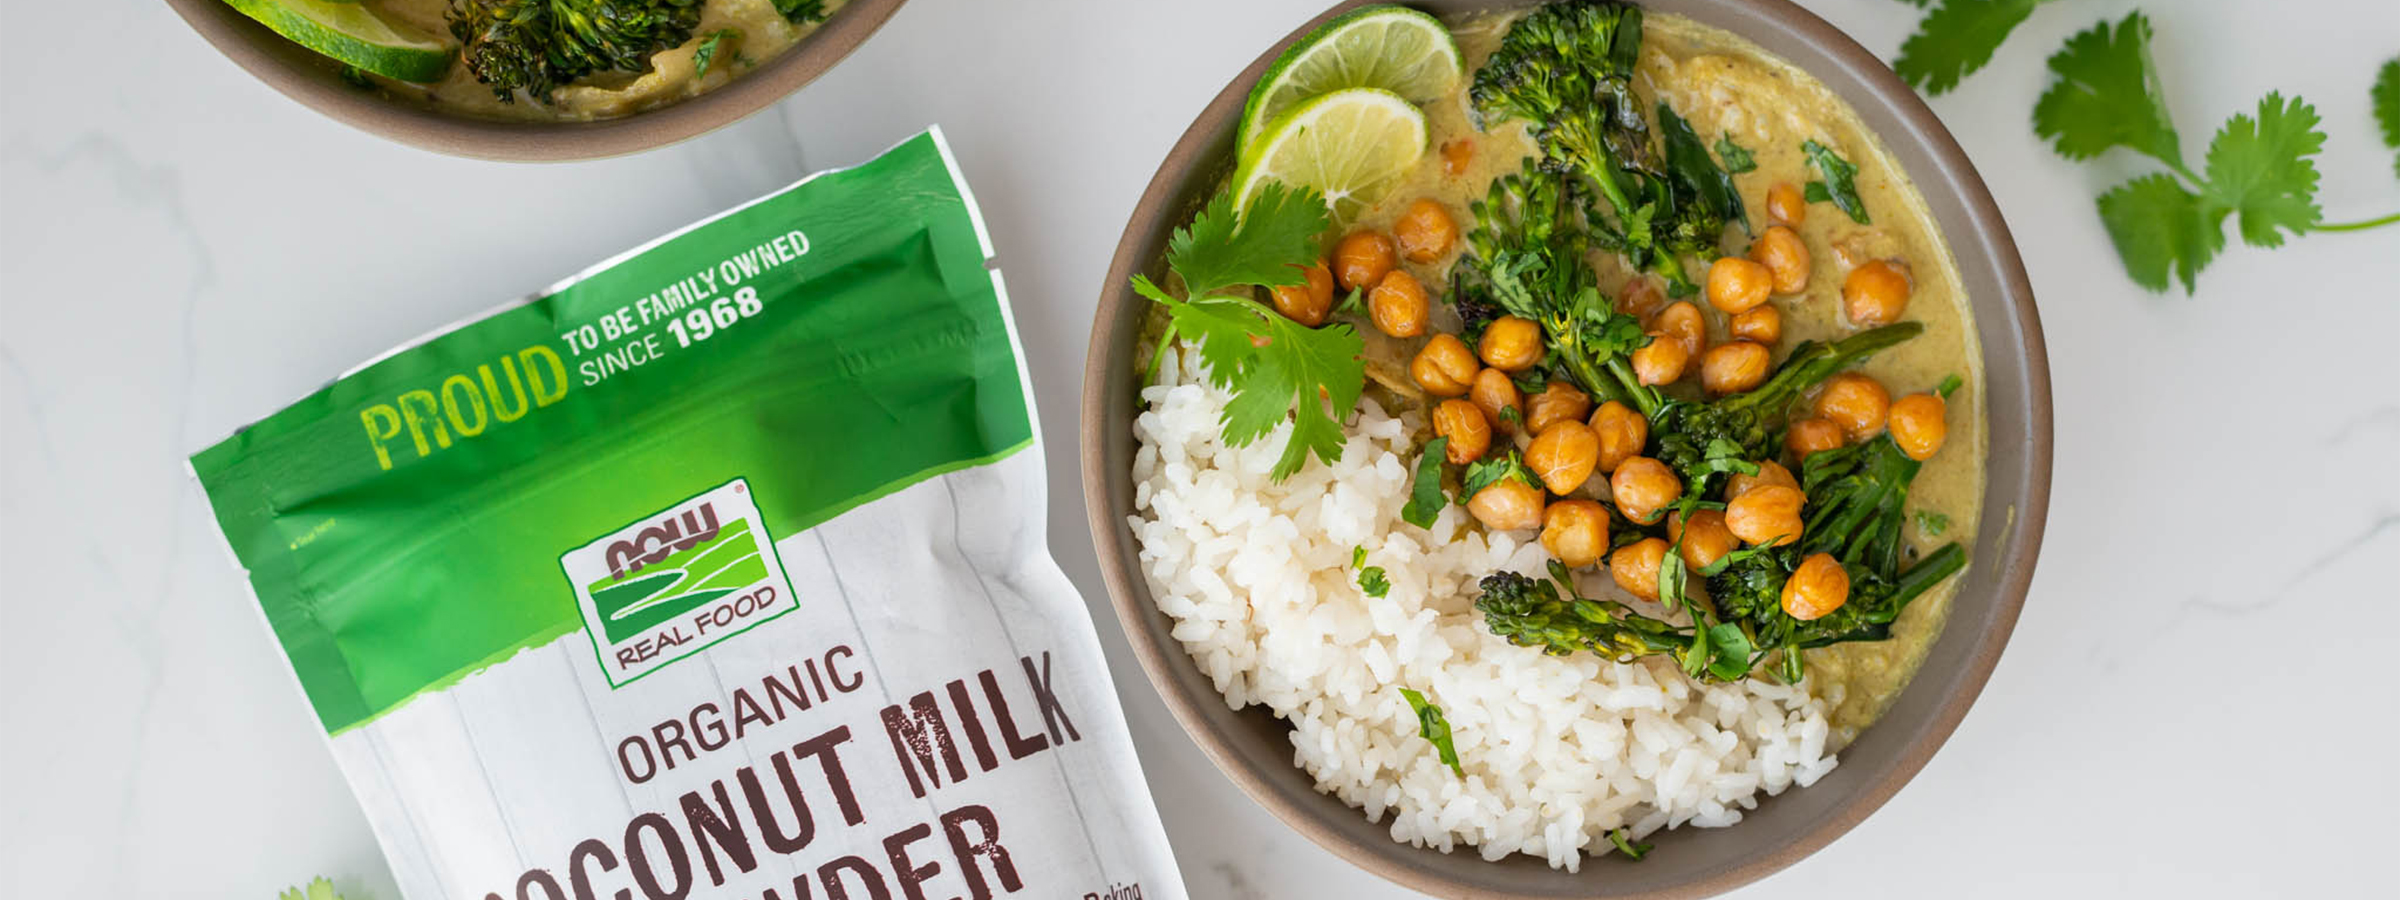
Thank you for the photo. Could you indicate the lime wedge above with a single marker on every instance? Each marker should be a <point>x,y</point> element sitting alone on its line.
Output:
<point>1349,145</point>
<point>352,33</point>
<point>1390,47</point>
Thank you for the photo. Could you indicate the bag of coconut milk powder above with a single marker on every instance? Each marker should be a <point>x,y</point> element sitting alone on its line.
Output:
<point>716,571</point>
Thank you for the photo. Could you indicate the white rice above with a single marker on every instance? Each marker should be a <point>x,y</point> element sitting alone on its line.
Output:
<point>1558,751</point>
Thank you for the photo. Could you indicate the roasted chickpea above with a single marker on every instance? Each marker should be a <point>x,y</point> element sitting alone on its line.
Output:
<point>1780,249</point>
<point>1425,231</point>
<point>1681,320</point>
<point>1496,394</point>
<point>1661,361</point>
<point>1444,367</point>
<point>1507,505</point>
<point>1558,402</point>
<point>1856,402</point>
<point>1761,325</point>
<point>1621,431</point>
<point>1563,455</point>
<point>1397,304</point>
<point>1768,512</point>
<point>1918,426</point>
<point>1362,258</point>
<point>1469,432</point>
<point>1733,367</point>
<point>1703,538</point>
<point>1511,344</point>
<point>1876,294</point>
<point>1309,302</point>
<point>1575,532</point>
<point>1806,436</point>
<point>1635,567</point>
<point>1456,155</point>
<point>1644,488</point>
<point>1641,297</point>
<point>1736,284</point>
<point>1769,472</point>
<point>1785,203</point>
<point>1818,587</point>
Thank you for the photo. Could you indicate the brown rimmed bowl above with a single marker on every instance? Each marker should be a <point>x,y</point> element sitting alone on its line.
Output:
<point>1252,747</point>
<point>316,82</point>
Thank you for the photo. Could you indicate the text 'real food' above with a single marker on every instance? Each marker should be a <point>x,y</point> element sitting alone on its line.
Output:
<point>1631,367</point>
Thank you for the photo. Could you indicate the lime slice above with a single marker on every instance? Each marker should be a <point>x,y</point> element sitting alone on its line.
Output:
<point>352,33</point>
<point>1349,145</point>
<point>1390,47</point>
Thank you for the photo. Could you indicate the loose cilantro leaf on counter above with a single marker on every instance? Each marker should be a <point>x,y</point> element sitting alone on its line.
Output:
<point>1373,583</point>
<point>2386,96</point>
<point>1433,727</point>
<point>1425,500</point>
<point>319,889</point>
<point>1277,369</point>
<point>2107,95</point>
<point>1957,38</point>
<point>1737,158</point>
<point>1633,850</point>
<point>2169,225</point>
<point>1840,181</point>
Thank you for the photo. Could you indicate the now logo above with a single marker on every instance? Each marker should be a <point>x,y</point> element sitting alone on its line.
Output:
<point>677,581</point>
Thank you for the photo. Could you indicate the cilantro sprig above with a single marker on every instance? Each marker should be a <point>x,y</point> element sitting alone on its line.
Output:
<point>2259,170</point>
<point>319,889</point>
<point>2385,97</point>
<point>1277,369</point>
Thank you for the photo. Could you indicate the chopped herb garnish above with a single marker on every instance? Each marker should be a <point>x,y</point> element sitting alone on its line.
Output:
<point>1372,582</point>
<point>1487,472</point>
<point>1277,369</point>
<point>800,12</point>
<point>1839,184</point>
<point>707,54</point>
<point>357,78</point>
<point>1510,416</point>
<point>1358,557</point>
<point>1737,159</point>
<point>1425,499</point>
<point>1633,850</point>
<point>1432,727</point>
<point>1932,523</point>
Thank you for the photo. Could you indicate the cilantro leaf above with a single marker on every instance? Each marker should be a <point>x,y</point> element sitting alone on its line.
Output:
<point>319,889</point>
<point>1358,556</point>
<point>1271,245</point>
<point>707,54</point>
<point>2107,95</point>
<point>1932,523</point>
<point>1956,39</point>
<point>2159,229</point>
<point>1840,183</point>
<point>1633,849</point>
<point>2260,169</point>
<point>2386,95</point>
<point>1425,500</point>
<point>1288,370</point>
<point>1433,727</point>
<point>1484,473</point>
<point>1737,158</point>
<point>1371,581</point>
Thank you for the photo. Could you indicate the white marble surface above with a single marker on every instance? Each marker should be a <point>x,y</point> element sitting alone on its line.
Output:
<point>2195,703</point>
